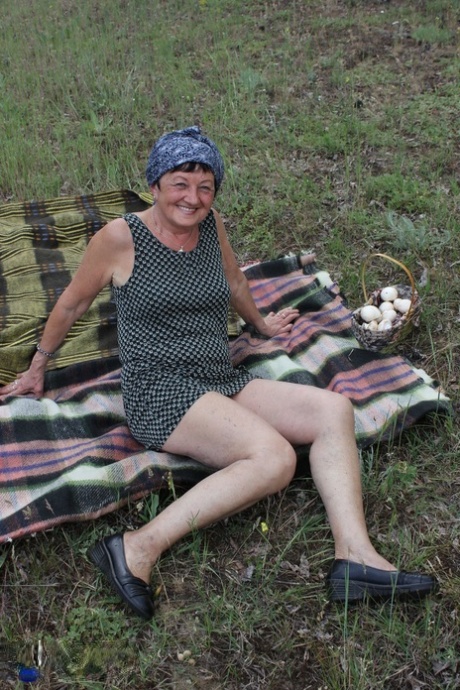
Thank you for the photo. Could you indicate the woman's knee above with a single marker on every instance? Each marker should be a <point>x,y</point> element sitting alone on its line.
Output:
<point>345,408</point>
<point>337,409</point>
<point>278,461</point>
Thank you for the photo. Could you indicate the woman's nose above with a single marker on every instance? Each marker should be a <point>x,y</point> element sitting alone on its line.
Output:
<point>192,195</point>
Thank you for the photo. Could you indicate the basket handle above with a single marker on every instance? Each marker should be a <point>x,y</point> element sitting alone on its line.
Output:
<point>398,263</point>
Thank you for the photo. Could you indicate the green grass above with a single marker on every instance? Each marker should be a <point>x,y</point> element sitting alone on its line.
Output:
<point>338,121</point>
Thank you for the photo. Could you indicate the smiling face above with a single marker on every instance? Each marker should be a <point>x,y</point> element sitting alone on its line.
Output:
<point>183,199</point>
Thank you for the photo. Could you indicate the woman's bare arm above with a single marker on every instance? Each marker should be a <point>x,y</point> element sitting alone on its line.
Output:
<point>242,299</point>
<point>103,261</point>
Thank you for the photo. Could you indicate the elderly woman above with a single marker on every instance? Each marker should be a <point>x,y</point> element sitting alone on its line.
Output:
<point>173,274</point>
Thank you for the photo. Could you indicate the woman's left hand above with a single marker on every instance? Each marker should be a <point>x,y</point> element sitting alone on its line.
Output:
<point>278,323</point>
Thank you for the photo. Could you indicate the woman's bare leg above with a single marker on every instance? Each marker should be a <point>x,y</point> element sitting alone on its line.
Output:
<point>306,415</point>
<point>253,461</point>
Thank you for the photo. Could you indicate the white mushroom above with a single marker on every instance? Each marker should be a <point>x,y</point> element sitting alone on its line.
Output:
<point>370,313</point>
<point>402,305</point>
<point>384,306</point>
<point>389,315</point>
<point>389,293</point>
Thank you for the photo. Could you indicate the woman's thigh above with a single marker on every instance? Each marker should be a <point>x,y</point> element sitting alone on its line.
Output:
<point>219,431</point>
<point>298,412</point>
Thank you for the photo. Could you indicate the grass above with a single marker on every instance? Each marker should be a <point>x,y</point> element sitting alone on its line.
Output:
<point>338,123</point>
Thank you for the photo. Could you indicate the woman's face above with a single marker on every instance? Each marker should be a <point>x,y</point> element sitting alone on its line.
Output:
<point>184,199</point>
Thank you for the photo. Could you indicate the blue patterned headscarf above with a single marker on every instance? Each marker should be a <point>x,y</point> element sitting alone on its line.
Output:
<point>183,146</point>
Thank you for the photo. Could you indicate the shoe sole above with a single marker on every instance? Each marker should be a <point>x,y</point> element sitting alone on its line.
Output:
<point>354,590</point>
<point>102,559</point>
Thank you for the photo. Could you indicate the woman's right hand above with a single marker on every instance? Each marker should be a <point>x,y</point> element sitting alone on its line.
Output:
<point>30,383</point>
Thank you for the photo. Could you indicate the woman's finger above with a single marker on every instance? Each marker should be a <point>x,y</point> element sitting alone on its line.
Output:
<point>9,389</point>
<point>288,313</point>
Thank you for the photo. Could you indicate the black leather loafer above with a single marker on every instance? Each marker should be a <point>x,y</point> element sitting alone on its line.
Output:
<point>349,581</point>
<point>109,556</point>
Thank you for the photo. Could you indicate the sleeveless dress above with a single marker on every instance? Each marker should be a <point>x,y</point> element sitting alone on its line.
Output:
<point>172,331</point>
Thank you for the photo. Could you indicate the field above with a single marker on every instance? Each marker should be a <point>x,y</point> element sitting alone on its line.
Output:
<point>338,121</point>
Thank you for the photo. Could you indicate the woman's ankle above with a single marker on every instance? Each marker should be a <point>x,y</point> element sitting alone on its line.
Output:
<point>140,558</point>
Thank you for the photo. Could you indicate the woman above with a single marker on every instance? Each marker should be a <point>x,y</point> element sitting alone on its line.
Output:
<point>172,273</point>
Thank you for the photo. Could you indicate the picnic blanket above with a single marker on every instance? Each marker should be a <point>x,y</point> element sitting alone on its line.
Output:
<point>70,456</point>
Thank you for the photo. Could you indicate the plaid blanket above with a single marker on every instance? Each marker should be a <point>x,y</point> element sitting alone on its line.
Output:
<point>70,456</point>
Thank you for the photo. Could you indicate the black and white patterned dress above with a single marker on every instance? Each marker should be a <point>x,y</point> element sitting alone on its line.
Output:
<point>172,331</point>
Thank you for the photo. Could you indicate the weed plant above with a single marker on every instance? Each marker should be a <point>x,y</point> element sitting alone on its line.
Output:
<point>338,121</point>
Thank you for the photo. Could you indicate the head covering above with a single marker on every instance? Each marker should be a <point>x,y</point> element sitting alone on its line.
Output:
<point>183,146</point>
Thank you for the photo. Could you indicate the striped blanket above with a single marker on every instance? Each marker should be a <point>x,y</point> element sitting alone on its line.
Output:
<point>69,456</point>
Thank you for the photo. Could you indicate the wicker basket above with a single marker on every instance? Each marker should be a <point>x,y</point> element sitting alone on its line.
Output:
<point>391,338</point>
